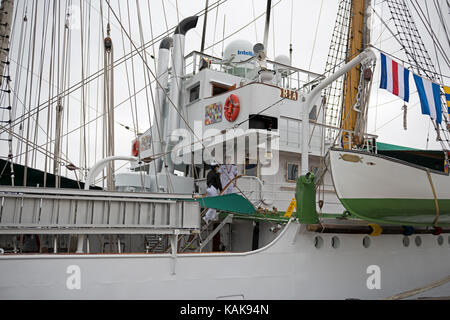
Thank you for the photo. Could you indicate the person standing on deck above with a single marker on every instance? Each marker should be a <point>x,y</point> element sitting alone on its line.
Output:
<point>227,173</point>
<point>214,187</point>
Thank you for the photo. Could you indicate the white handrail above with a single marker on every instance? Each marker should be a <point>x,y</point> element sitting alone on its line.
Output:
<point>261,198</point>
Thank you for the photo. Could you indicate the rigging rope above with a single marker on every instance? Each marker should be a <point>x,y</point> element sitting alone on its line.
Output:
<point>419,290</point>
<point>99,73</point>
<point>436,203</point>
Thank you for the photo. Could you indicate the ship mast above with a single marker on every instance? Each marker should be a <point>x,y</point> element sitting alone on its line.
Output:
<point>108,107</point>
<point>357,41</point>
<point>6,11</point>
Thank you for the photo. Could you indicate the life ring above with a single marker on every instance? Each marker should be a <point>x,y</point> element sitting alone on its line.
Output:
<point>135,148</point>
<point>232,108</point>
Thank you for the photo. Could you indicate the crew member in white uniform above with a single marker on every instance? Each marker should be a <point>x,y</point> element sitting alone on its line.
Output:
<point>214,188</point>
<point>227,173</point>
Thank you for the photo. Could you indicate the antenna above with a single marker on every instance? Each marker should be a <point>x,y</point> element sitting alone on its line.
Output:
<point>266,31</point>
<point>259,51</point>
<point>204,28</point>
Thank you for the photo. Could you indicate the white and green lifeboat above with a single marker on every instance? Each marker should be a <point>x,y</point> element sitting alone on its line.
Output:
<point>384,189</point>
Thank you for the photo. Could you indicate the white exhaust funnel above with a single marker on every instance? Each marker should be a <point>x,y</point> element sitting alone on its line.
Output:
<point>160,119</point>
<point>178,67</point>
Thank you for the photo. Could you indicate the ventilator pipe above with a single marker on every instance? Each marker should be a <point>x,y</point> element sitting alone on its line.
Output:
<point>175,85</point>
<point>307,102</point>
<point>94,172</point>
<point>100,165</point>
<point>162,74</point>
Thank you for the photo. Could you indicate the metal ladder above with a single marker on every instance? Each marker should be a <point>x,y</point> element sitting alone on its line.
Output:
<point>56,211</point>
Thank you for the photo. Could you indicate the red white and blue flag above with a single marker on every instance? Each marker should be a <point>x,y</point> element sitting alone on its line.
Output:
<point>394,78</point>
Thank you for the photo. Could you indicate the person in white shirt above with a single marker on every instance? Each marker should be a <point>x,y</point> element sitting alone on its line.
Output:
<point>227,173</point>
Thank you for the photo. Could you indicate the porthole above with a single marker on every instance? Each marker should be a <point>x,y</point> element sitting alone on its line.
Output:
<point>406,241</point>
<point>440,240</point>
<point>318,242</point>
<point>335,242</point>
<point>418,241</point>
<point>366,242</point>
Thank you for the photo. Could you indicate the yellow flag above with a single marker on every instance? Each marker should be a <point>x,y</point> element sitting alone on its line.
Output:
<point>290,210</point>
<point>447,96</point>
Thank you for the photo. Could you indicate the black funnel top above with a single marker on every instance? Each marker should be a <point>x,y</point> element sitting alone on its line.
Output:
<point>166,43</point>
<point>186,25</point>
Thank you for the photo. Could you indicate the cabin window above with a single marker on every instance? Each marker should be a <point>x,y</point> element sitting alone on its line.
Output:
<point>194,93</point>
<point>292,172</point>
<point>219,88</point>
<point>257,121</point>
<point>314,170</point>
<point>250,168</point>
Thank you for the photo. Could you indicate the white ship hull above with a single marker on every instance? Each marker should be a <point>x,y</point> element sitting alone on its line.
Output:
<point>290,267</point>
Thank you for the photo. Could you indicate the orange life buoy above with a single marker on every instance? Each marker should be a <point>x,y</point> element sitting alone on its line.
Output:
<point>135,148</point>
<point>232,108</point>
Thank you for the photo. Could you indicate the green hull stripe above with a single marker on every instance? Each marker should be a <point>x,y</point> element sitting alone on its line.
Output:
<point>420,212</point>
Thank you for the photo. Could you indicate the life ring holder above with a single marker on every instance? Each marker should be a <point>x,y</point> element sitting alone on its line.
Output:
<point>232,108</point>
<point>135,148</point>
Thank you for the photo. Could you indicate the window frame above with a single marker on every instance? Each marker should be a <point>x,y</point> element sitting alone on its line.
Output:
<point>189,89</point>
<point>287,170</point>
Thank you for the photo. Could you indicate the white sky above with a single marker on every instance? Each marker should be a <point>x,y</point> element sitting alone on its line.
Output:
<point>310,51</point>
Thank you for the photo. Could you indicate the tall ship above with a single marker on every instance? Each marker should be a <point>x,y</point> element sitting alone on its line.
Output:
<point>252,178</point>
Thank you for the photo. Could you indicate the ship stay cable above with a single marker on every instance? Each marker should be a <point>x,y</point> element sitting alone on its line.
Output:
<point>442,20</point>
<point>52,48</point>
<point>144,87</point>
<point>146,80</point>
<point>32,58</point>
<point>83,159</point>
<point>171,102</point>
<point>99,73</point>
<point>163,154</point>
<point>65,83</point>
<point>218,3</point>
<point>430,31</point>
<point>21,48</point>
<point>146,64</point>
<point>165,92</point>
<point>17,99</point>
<point>435,76</point>
<point>133,109</point>
<point>408,37</point>
<point>434,44</point>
